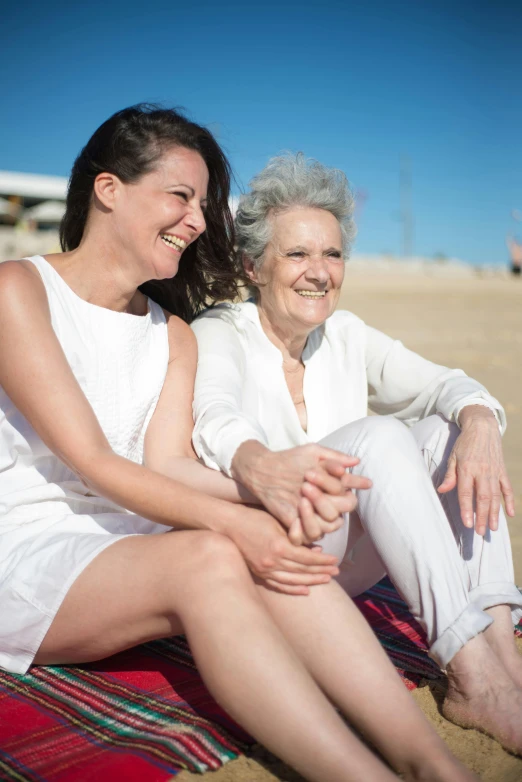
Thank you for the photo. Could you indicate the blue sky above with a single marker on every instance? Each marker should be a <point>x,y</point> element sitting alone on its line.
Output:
<point>354,84</point>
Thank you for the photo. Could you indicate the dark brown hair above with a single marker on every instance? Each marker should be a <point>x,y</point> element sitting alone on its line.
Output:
<point>129,144</point>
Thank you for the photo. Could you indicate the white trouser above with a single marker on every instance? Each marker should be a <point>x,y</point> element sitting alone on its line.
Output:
<point>447,574</point>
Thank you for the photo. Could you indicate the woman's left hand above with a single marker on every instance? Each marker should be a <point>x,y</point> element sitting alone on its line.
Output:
<point>476,467</point>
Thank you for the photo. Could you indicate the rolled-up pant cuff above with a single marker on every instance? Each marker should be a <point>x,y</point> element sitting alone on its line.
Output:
<point>496,594</point>
<point>470,623</point>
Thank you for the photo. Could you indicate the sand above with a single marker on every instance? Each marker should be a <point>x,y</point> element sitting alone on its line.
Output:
<point>460,319</point>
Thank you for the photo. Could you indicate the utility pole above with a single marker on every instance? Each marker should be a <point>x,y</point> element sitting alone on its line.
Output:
<point>406,207</point>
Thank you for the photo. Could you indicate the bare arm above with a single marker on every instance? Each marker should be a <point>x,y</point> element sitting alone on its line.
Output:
<point>168,444</point>
<point>36,376</point>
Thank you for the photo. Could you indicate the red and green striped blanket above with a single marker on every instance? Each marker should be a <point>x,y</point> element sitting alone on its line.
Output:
<point>145,714</point>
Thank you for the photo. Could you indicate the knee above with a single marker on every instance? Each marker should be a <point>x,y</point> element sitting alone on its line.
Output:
<point>205,557</point>
<point>384,432</point>
<point>385,447</point>
<point>214,554</point>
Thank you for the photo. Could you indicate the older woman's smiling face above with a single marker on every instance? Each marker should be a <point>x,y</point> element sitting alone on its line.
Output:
<point>302,270</point>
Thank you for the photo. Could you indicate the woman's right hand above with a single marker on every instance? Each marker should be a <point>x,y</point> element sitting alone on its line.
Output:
<point>271,556</point>
<point>277,479</point>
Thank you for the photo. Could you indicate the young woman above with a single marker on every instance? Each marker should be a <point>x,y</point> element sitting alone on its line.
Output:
<point>96,383</point>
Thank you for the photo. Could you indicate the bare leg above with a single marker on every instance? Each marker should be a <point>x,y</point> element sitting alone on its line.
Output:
<point>150,587</point>
<point>326,627</point>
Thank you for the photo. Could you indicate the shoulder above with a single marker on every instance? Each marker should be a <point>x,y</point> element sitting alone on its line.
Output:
<point>223,335</point>
<point>182,341</point>
<point>19,275</point>
<point>21,286</point>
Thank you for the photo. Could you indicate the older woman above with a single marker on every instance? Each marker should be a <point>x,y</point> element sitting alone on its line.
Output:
<point>284,370</point>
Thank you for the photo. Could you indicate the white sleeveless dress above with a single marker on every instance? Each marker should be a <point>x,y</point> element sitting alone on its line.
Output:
<point>51,526</point>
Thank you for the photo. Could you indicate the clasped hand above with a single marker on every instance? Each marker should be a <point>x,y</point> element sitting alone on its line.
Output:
<point>307,488</point>
<point>272,558</point>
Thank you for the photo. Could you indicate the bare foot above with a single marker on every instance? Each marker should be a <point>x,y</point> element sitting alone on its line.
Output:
<point>513,665</point>
<point>482,695</point>
<point>494,710</point>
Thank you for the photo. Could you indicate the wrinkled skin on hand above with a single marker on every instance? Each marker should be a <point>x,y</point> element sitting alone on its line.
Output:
<point>476,467</point>
<point>281,479</point>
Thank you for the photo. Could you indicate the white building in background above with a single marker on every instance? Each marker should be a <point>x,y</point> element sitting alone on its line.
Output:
<point>31,207</point>
<point>20,192</point>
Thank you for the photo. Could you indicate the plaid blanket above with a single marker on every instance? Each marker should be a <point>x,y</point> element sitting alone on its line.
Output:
<point>144,714</point>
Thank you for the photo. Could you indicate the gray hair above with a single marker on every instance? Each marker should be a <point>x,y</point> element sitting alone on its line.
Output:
<point>286,182</point>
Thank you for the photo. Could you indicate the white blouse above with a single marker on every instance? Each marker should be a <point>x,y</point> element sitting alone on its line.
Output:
<point>241,392</point>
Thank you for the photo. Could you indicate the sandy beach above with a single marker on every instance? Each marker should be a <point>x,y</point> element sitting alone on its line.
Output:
<point>460,318</point>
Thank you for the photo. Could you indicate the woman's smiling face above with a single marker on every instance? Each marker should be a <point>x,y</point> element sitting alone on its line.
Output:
<point>163,212</point>
<point>302,270</point>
